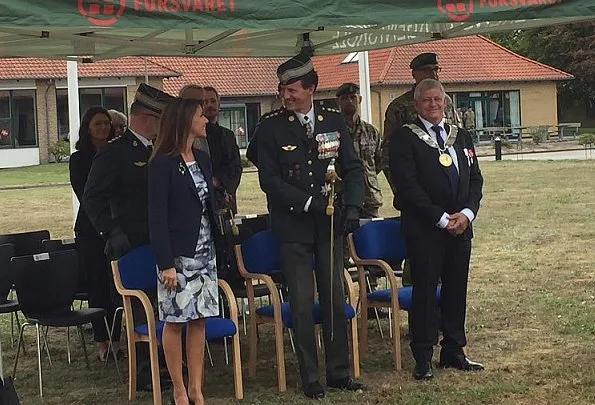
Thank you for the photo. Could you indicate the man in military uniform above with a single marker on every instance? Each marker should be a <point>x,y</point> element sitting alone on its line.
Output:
<point>400,111</point>
<point>116,193</point>
<point>225,154</point>
<point>366,141</point>
<point>298,146</point>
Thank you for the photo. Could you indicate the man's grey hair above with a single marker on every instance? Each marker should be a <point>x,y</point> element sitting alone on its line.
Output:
<point>117,117</point>
<point>427,84</point>
<point>189,87</point>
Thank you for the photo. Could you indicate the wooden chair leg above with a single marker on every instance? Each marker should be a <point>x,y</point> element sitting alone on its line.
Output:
<point>155,373</point>
<point>131,368</point>
<point>396,339</point>
<point>252,342</point>
<point>355,347</point>
<point>363,336</point>
<point>280,356</point>
<point>237,366</point>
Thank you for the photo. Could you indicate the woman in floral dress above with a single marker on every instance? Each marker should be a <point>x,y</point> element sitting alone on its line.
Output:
<point>181,222</point>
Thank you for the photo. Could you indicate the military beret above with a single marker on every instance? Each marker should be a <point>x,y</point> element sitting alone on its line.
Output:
<point>423,59</point>
<point>347,88</point>
<point>294,69</point>
<point>152,98</point>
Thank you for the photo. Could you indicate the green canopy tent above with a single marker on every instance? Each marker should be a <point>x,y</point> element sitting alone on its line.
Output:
<point>100,29</point>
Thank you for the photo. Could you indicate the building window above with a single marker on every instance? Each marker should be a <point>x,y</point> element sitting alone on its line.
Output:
<point>18,121</point>
<point>241,119</point>
<point>491,108</point>
<point>108,97</point>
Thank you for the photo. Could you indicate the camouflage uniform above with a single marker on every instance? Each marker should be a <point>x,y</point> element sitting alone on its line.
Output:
<point>366,140</point>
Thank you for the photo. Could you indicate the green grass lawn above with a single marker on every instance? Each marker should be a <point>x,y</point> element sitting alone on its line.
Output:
<point>42,174</point>
<point>531,305</point>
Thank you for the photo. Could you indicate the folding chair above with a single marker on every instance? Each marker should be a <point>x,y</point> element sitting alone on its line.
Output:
<point>45,286</point>
<point>56,245</point>
<point>25,243</point>
<point>258,257</point>
<point>8,306</point>
<point>137,271</point>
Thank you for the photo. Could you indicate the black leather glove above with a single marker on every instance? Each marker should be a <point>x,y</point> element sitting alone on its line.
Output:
<point>318,205</point>
<point>117,244</point>
<point>350,220</point>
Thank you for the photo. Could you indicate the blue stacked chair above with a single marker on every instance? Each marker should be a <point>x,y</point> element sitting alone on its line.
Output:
<point>137,271</point>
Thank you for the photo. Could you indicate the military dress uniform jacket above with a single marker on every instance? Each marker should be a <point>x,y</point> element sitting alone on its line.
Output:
<point>291,170</point>
<point>423,183</point>
<point>116,193</point>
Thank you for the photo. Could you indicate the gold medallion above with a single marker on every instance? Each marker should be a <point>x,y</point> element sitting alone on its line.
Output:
<point>445,159</point>
<point>320,117</point>
<point>291,118</point>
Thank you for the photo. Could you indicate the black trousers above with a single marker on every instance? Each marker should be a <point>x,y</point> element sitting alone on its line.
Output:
<point>296,263</point>
<point>100,284</point>
<point>438,255</point>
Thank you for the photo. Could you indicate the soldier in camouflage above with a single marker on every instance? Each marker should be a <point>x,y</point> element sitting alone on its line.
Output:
<point>367,142</point>
<point>400,111</point>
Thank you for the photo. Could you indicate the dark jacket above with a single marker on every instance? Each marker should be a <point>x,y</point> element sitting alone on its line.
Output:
<point>79,167</point>
<point>423,185</point>
<point>175,208</point>
<point>291,170</point>
<point>225,160</point>
<point>116,190</point>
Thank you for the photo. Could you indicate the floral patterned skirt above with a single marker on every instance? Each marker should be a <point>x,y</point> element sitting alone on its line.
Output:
<point>196,293</point>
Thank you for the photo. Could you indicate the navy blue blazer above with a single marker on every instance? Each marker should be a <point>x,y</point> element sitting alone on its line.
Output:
<point>175,207</point>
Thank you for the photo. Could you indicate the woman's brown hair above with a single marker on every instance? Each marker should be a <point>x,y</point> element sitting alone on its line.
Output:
<point>174,127</point>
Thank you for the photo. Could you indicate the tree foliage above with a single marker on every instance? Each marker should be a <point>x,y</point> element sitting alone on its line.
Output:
<point>569,47</point>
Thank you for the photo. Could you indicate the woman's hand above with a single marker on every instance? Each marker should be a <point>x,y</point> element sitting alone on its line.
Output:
<point>168,278</point>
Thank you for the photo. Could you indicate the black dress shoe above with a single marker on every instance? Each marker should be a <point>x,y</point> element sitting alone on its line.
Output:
<point>314,390</point>
<point>423,370</point>
<point>347,384</point>
<point>460,362</point>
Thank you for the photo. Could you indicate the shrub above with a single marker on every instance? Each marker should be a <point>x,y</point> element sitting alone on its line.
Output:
<point>538,134</point>
<point>60,149</point>
<point>245,161</point>
<point>587,139</point>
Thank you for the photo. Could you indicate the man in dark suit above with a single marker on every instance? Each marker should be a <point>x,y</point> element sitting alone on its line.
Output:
<point>298,145</point>
<point>116,193</point>
<point>225,154</point>
<point>436,174</point>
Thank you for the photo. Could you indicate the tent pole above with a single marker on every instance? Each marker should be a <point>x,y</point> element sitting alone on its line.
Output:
<point>146,71</point>
<point>73,117</point>
<point>364,86</point>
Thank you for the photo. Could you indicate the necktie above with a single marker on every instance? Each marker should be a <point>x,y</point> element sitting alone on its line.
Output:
<point>453,174</point>
<point>308,127</point>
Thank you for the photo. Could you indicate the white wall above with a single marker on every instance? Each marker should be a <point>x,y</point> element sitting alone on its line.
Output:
<point>19,157</point>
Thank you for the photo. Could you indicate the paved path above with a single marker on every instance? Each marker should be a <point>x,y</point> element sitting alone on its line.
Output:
<point>562,155</point>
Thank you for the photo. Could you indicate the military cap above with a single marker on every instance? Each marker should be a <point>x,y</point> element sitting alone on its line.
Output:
<point>347,88</point>
<point>152,98</point>
<point>294,69</point>
<point>423,59</point>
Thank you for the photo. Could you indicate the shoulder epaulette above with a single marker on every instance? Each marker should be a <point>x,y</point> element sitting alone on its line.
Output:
<point>329,109</point>
<point>271,114</point>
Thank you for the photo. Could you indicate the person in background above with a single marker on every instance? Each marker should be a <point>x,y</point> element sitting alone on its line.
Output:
<point>469,120</point>
<point>95,131</point>
<point>195,92</point>
<point>119,122</point>
<point>225,154</point>
<point>181,224</point>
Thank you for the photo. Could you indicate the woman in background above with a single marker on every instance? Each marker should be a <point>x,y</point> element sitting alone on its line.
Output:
<point>180,223</point>
<point>95,131</point>
<point>119,122</point>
